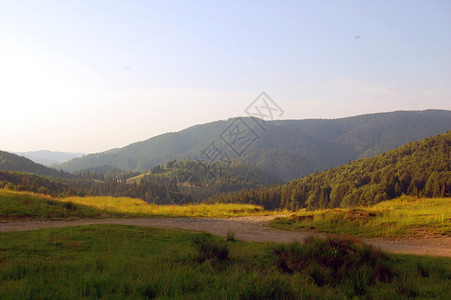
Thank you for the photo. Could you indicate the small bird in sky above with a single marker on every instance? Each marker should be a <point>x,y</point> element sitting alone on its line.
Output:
<point>357,37</point>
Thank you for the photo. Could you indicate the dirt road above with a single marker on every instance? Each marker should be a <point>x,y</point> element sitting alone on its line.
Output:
<point>255,228</point>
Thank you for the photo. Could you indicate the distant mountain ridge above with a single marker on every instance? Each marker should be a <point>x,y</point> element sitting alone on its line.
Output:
<point>49,158</point>
<point>13,162</point>
<point>287,148</point>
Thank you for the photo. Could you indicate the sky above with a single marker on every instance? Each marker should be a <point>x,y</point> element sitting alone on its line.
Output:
<point>87,76</point>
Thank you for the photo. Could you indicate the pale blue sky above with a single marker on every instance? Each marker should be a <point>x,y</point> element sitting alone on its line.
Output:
<point>87,76</point>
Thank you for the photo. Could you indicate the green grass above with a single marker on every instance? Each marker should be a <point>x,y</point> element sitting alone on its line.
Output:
<point>24,205</point>
<point>335,261</point>
<point>138,178</point>
<point>402,217</point>
<point>117,262</point>
<point>17,205</point>
<point>166,172</point>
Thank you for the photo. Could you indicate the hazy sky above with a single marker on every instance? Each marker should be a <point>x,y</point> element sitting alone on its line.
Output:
<point>87,76</point>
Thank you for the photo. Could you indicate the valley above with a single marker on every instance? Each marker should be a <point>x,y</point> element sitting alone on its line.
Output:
<point>392,209</point>
<point>239,150</point>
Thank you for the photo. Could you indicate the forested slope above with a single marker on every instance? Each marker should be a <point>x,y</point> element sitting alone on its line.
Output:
<point>421,168</point>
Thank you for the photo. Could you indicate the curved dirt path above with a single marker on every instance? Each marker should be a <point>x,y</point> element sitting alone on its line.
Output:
<point>254,228</point>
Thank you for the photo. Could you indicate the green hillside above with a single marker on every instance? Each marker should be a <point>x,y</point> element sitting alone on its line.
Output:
<point>405,216</point>
<point>19,205</point>
<point>13,162</point>
<point>16,206</point>
<point>421,168</point>
<point>288,148</point>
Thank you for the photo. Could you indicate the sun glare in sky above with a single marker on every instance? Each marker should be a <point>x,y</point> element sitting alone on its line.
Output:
<point>88,76</point>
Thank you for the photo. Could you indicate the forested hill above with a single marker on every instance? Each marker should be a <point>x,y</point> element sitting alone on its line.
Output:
<point>421,168</point>
<point>287,148</point>
<point>13,162</point>
<point>19,181</point>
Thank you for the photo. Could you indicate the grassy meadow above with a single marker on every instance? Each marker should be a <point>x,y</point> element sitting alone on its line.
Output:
<point>402,217</point>
<point>137,207</point>
<point>117,262</point>
<point>16,206</point>
<point>19,205</point>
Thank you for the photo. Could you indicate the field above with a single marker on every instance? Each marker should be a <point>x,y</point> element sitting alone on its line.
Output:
<point>402,217</point>
<point>137,207</point>
<point>24,205</point>
<point>118,261</point>
<point>113,261</point>
<point>165,172</point>
<point>19,205</point>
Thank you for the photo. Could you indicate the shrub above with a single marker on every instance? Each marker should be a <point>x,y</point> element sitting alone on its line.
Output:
<point>335,261</point>
<point>422,270</point>
<point>230,237</point>
<point>69,206</point>
<point>209,249</point>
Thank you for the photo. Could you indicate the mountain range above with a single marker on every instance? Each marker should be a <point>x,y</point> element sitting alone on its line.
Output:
<point>49,158</point>
<point>286,148</point>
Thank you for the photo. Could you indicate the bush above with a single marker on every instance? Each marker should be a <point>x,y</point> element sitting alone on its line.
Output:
<point>209,249</point>
<point>230,237</point>
<point>69,206</point>
<point>335,261</point>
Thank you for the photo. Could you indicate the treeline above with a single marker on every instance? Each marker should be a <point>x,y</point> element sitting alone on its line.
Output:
<point>420,168</point>
<point>152,187</point>
<point>212,179</point>
<point>28,182</point>
<point>152,190</point>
